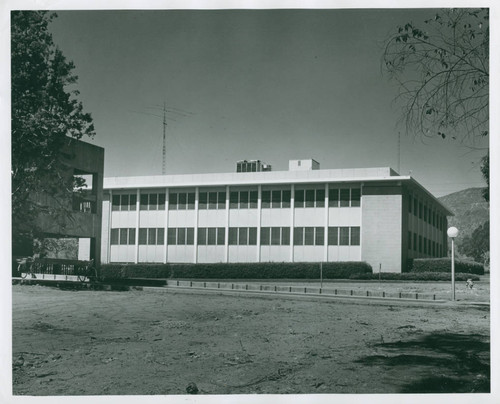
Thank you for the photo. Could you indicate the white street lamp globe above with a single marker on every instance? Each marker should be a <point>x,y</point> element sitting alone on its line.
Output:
<point>452,232</point>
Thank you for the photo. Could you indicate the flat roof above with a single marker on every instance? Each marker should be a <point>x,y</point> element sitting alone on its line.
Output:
<point>343,175</point>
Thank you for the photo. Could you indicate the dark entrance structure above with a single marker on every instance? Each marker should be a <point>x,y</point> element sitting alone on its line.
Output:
<point>83,217</point>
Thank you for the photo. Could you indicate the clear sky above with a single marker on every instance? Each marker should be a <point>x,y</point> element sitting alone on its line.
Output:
<point>272,85</point>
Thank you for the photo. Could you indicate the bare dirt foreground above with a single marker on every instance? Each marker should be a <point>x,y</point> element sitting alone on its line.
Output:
<point>152,342</point>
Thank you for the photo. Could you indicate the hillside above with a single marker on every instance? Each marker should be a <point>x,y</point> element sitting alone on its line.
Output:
<point>470,209</point>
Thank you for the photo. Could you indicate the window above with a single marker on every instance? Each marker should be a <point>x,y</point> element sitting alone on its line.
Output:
<point>124,202</point>
<point>123,236</point>
<point>285,199</point>
<point>355,236</point>
<point>244,200</point>
<point>212,200</point>
<point>115,202</point>
<point>202,236</point>
<point>181,200</point>
<point>299,198</point>
<point>333,236</point>
<point>172,201</point>
<point>143,236</point>
<point>233,236</point>
<point>309,236</point>
<point>319,236</point>
<point>154,201</point>
<point>190,236</point>
<point>221,236</point>
<point>172,236</point>
<point>254,196</point>
<point>333,198</point>
<point>203,200</point>
<point>415,207</point>
<point>266,199</point>
<point>414,241</point>
<point>181,236</point>
<point>425,213</point>
<point>160,236</point>
<point>152,236</point>
<point>131,236</point>
<point>285,236</point>
<point>221,200</point>
<point>420,210</point>
<point>275,236</point>
<point>114,236</point>
<point>310,198</point>
<point>425,245</point>
<point>298,236</point>
<point>344,197</point>
<point>344,236</point>
<point>419,244</point>
<point>212,236</point>
<point>252,236</point>
<point>243,235</point>
<point>320,198</point>
<point>265,238</point>
<point>355,197</point>
<point>276,199</point>
<point>410,203</point>
<point>409,240</point>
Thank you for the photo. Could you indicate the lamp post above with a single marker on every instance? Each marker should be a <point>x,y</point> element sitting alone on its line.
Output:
<point>452,233</point>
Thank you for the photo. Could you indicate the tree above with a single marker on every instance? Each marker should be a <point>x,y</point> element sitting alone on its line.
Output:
<point>477,245</point>
<point>485,170</point>
<point>443,74</point>
<point>44,114</point>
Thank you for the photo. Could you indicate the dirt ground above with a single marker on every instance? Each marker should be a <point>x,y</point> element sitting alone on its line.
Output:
<point>161,342</point>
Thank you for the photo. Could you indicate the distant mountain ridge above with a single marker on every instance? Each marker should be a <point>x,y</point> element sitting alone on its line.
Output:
<point>470,209</point>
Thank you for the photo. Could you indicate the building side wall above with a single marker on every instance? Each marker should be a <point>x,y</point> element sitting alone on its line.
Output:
<point>381,228</point>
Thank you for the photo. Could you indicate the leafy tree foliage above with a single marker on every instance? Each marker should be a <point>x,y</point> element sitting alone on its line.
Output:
<point>443,74</point>
<point>477,245</point>
<point>44,114</point>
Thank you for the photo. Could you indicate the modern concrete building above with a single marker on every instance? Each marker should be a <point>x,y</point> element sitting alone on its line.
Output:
<point>82,220</point>
<point>302,215</point>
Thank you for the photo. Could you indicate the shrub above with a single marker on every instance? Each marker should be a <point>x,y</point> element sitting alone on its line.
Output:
<point>416,276</point>
<point>261,270</point>
<point>125,271</point>
<point>444,265</point>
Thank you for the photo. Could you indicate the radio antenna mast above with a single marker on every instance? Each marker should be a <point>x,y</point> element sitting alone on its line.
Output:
<point>164,147</point>
<point>399,152</point>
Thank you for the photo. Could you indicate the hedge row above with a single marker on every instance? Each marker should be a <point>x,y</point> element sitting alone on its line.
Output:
<point>416,276</point>
<point>262,270</point>
<point>444,265</point>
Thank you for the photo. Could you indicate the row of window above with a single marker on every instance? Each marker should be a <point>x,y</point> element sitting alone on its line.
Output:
<point>426,213</point>
<point>424,245</point>
<point>304,198</point>
<point>240,236</point>
<point>153,201</point>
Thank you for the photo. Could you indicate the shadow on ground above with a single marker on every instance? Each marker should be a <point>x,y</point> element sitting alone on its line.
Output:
<point>453,363</point>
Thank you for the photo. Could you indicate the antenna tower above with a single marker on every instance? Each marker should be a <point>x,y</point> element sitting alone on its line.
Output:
<point>399,152</point>
<point>164,147</point>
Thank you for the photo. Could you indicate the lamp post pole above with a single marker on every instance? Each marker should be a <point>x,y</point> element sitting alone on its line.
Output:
<point>452,233</point>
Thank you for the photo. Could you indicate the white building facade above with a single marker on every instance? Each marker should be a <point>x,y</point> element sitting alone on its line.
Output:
<point>300,215</point>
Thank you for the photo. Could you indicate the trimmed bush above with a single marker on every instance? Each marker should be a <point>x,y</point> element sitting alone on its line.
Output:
<point>444,265</point>
<point>416,276</point>
<point>126,271</point>
<point>262,270</point>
